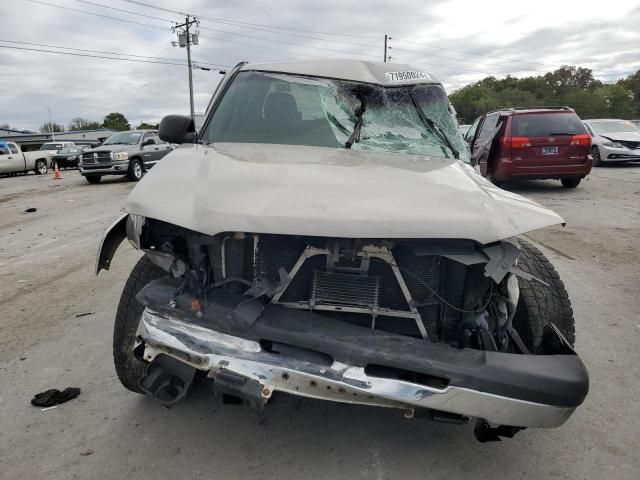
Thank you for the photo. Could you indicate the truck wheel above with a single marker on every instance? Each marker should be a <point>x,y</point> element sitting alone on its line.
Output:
<point>541,304</point>
<point>135,170</point>
<point>93,178</point>
<point>570,182</point>
<point>41,167</point>
<point>597,159</point>
<point>128,367</point>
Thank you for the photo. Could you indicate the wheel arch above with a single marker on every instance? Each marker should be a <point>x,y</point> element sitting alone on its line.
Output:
<point>111,240</point>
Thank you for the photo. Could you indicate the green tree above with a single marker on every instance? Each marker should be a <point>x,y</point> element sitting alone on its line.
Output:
<point>79,123</point>
<point>632,83</point>
<point>568,85</point>
<point>147,126</point>
<point>48,127</point>
<point>116,121</point>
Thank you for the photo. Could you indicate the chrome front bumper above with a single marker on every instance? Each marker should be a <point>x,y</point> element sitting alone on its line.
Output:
<point>118,167</point>
<point>211,351</point>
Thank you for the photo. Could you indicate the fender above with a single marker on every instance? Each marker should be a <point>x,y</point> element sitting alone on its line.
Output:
<point>111,240</point>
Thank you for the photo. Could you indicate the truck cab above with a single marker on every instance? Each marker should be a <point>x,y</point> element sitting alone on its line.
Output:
<point>13,160</point>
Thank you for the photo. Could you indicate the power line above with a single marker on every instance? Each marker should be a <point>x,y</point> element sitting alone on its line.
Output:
<point>459,60</point>
<point>124,11</point>
<point>471,53</point>
<point>91,56</point>
<point>97,14</point>
<point>110,53</point>
<point>253,26</point>
<point>252,45</point>
<point>163,28</point>
<point>240,23</point>
<point>244,35</point>
<point>286,43</point>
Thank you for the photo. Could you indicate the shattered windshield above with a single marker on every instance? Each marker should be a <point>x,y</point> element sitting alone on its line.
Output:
<point>293,110</point>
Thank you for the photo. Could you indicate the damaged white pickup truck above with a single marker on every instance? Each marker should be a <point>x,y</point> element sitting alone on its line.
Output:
<point>324,235</point>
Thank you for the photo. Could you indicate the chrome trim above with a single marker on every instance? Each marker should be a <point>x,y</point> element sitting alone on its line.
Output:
<point>211,351</point>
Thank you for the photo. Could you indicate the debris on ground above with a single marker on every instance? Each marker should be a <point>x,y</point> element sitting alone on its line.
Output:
<point>87,452</point>
<point>85,314</point>
<point>54,396</point>
<point>31,210</point>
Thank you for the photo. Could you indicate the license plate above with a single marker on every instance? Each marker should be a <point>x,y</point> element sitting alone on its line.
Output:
<point>549,150</point>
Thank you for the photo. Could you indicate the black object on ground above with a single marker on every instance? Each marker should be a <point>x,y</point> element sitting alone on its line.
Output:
<point>54,396</point>
<point>31,210</point>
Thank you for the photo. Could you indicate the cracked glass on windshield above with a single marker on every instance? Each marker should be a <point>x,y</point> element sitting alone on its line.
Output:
<point>294,110</point>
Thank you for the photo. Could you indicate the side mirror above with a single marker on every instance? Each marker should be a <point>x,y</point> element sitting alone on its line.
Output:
<point>177,129</point>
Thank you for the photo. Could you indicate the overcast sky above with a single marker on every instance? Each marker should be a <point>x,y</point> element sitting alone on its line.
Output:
<point>458,40</point>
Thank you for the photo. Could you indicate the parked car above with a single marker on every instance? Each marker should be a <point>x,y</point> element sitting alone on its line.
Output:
<point>532,143</point>
<point>52,148</point>
<point>613,141</point>
<point>13,160</point>
<point>68,156</point>
<point>128,153</point>
<point>324,235</point>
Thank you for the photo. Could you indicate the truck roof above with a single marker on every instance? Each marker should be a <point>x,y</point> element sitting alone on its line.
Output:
<point>379,73</point>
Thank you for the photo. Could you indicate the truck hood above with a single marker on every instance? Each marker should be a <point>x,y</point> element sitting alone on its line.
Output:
<point>114,148</point>
<point>300,190</point>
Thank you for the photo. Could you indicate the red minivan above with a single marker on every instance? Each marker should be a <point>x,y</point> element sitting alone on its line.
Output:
<point>533,143</point>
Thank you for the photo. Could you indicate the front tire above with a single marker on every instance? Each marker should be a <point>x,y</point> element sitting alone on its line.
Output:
<point>41,167</point>
<point>135,170</point>
<point>93,178</point>
<point>128,368</point>
<point>570,182</point>
<point>541,304</point>
<point>597,159</point>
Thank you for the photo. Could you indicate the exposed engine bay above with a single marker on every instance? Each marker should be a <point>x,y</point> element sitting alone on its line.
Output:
<point>447,291</point>
<point>435,328</point>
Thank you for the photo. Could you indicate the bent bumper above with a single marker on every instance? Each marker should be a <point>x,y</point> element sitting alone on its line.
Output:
<point>506,169</point>
<point>335,364</point>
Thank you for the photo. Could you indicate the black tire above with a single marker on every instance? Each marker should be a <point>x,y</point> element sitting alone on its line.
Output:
<point>495,181</point>
<point>93,178</point>
<point>570,182</point>
<point>41,167</point>
<point>597,159</point>
<point>135,170</point>
<point>128,367</point>
<point>540,304</point>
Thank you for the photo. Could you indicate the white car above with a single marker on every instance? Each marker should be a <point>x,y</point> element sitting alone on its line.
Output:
<point>51,148</point>
<point>613,141</point>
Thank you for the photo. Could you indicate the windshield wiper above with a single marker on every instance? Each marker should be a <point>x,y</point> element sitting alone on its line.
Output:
<point>435,128</point>
<point>562,133</point>
<point>355,135</point>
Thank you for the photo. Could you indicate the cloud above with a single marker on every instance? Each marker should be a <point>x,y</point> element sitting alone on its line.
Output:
<point>91,87</point>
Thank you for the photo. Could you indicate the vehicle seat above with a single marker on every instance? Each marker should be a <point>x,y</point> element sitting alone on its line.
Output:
<point>281,113</point>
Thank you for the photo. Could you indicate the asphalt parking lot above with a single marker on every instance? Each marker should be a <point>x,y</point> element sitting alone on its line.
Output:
<point>46,266</point>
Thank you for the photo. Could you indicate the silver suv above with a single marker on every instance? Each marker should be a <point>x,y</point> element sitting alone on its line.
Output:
<point>324,235</point>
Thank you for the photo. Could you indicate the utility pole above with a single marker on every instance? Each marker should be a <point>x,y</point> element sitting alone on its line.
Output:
<point>385,48</point>
<point>53,135</point>
<point>185,40</point>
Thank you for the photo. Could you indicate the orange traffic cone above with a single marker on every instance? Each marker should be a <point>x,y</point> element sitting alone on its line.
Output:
<point>56,173</point>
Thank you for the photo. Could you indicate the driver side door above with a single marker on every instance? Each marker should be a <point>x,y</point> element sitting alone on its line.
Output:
<point>150,150</point>
<point>11,160</point>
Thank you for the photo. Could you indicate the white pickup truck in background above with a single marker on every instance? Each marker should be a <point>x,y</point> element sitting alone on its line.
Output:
<point>14,160</point>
